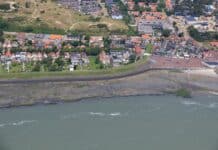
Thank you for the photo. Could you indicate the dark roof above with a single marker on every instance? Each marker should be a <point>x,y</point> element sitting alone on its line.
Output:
<point>212,63</point>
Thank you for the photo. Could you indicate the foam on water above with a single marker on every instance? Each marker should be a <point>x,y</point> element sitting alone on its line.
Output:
<point>97,113</point>
<point>70,116</point>
<point>93,114</point>
<point>2,125</point>
<point>115,114</point>
<point>188,103</point>
<point>154,109</point>
<point>17,123</point>
<point>193,103</point>
<point>213,105</point>
<point>101,114</point>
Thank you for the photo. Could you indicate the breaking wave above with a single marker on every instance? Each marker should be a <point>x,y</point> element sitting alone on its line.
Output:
<point>97,113</point>
<point>213,105</point>
<point>101,114</point>
<point>18,123</point>
<point>193,103</point>
<point>115,114</point>
<point>70,116</point>
<point>93,114</point>
<point>188,103</point>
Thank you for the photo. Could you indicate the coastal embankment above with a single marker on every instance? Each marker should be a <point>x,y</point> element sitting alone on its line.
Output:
<point>152,82</point>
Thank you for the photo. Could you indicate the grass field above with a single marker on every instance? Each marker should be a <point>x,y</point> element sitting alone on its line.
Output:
<point>55,16</point>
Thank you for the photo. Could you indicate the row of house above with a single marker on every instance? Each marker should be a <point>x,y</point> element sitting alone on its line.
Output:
<point>37,41</point>
<point>26,56</point>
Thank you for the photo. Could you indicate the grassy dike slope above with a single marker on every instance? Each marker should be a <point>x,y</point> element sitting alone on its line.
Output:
<point>40,14</point>
<point>152,82</point>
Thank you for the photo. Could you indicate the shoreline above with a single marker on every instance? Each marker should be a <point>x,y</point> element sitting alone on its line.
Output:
<point>58,102</point>
<point>157,83</point>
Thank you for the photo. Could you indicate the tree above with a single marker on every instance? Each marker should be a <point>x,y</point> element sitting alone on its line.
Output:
<point>1,36</point>
<point>3,24</point>
<point>148,8</point>
<point>27,4</point>
<point>181,34</point>
<point>132,58</point>
<point>28,29</point>
<point>36,67</point>
<point>60,63</point>
<point>87,37</point>
<point>1,33</point>
<point>166,32</point>
<point>194,33</point>
<point>54,67</point>
<point>161,6</point>
<point>47,62</point>
<point>75,43</point>
<point>149,48</point>
<point>93,51</point>
<point>5,6</point>
<point>107,42</point>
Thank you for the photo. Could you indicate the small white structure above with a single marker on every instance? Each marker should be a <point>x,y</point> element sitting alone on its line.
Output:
<point>118,17</point>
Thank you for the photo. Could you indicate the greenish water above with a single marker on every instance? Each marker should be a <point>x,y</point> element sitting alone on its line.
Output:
<point>122,123</point>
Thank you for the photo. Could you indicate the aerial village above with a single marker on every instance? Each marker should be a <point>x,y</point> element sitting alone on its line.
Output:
<point>160,37</point>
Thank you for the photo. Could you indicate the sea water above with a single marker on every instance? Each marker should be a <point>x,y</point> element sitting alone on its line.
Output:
<point>119,123</point>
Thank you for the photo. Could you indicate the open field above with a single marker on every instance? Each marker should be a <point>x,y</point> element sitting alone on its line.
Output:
<point>38,14</point>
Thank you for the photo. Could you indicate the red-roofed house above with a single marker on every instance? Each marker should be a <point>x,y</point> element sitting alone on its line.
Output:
<point>141,4</point>
<point>138,51</point>
<point>214,44</point>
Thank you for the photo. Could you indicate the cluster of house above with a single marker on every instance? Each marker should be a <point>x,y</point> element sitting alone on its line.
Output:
<point>36,41</point>
<point>78,59</point>
<point>120,49</point>
<point>207,10</point>
<point>84,6</point>
<point>202,23</point>
<point>149,25</point>
<point>206,22</point>
<point>146,21</point>
<point>170,4</point>
<point>113,9</point>
<point>115,58</point>
<point>179,47</point>
<point>175,52</point>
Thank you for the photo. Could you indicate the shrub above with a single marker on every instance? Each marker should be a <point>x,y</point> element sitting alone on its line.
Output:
<point>5,7</point>
<point>166,32</point>
<point>183,93</point>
